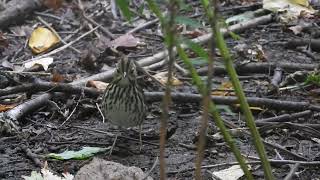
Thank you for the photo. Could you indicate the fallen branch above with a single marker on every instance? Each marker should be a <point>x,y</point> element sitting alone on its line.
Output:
<point>306,128</point>
<point>272,161</point>
<point>293,170</point>
<point>177,97</point>
<point>17,10</point>
<point>284,117</point>
<point>261,68</point>
<point>269,145</point>
<point>230,100</point>
<point>10,118</point>
<point>49,87</point>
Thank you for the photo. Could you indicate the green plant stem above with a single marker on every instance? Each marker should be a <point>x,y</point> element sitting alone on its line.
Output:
<point>242,99</point>
<point>205,116</point>
<point>166,99</point>
<point>214,112</point>
<point>170,32</point>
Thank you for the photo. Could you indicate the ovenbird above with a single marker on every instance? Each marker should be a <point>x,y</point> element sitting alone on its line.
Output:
<point>123,103</point>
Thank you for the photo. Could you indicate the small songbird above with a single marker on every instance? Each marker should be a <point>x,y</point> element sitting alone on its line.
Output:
<point>123,103</point>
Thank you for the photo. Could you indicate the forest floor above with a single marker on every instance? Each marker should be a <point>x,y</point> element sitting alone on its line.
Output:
<point>271,72</point>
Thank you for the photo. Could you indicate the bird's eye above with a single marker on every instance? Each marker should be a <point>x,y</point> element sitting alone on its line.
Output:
<point>132,71</point>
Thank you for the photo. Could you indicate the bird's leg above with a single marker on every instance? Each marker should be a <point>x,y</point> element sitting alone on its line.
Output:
<point>113,144</point>
<point>114,9</point>
<point>140,137</point>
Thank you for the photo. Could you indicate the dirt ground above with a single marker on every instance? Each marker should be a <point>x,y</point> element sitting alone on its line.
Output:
<point>73,121</point>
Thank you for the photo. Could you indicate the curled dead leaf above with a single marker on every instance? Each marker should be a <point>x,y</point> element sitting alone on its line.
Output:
<point>223,89</point>
<point>44,62</point>
<point>126,40</point>
<point>5,107</point>
<point>162,77</point>
<point>54,4</point>
<point>3,41</point>
<point>42,39</point>
<point>101,86</point>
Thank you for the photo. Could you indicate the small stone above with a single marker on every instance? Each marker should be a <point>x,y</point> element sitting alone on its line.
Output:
<point>100,169</point>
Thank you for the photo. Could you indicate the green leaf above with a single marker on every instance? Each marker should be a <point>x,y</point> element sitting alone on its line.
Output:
<point>226,109</point>
<point>187,21</point>
<point>124,7</point>
<point>199,61</point>
<point>185,7</point>
<point>246,16</point>
<point>140,9</point>
<point>84,153</point>
<point>154,8</point>
<point>313,79</point>
<point>234,36</point>
<point>196,48</point>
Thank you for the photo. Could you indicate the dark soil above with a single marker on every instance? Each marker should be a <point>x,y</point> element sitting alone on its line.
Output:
<point>42,133</point>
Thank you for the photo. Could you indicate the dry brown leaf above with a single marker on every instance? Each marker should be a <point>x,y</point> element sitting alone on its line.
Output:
<point>42,39</point>
<point>193,34</point>
<point>296,29</point>
<point>162,77</point>
<point>260,53</point>
<point>252,108</point>
<point>53,4</point>
<point>101,86</point>
<point>126,40</point>
<point>3,41</point>
<point>57,77</point>
<point>46,174</point>
<point>5,107</point>
<point>221,90</point>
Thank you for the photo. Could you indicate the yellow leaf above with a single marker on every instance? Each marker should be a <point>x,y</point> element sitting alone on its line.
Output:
<point>293,8</point>
<point>304,3</point>
<point>223,90</point>
<point>252,108</point>
<point>4,107</point>
<point>162,77</point>
<point>42,39</point>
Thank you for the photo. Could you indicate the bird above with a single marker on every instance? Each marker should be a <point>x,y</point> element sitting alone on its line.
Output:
<point>123,102</point>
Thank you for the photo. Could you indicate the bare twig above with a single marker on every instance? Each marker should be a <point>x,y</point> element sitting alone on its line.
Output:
<point>62,47</point>
<point>55,32</point>
<point>16,113</point>
<point>30,73</point>
<point>151,169</point>
<point>272,161</point>
<point>72,112</point>
<point>113,135</point>
<point>291,174</point>
<point>176,97</point>
<point>49,87</point>
<point>142,26</point>
<point>90,20</point>
<point>103,118</point>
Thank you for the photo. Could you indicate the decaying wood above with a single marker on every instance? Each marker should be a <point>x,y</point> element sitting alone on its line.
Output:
<point>17,10</point>
<point>29,106</point>
<point>261,68</point>
<point>230,100</point>
<point>284,117</point>
<point>13,115</point>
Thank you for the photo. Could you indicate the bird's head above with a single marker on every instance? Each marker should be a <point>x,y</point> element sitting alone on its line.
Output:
<point>126,72</point>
